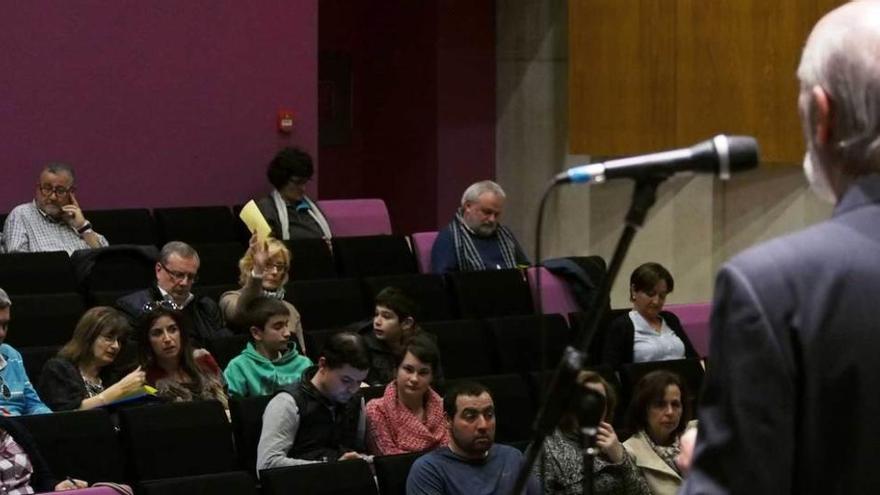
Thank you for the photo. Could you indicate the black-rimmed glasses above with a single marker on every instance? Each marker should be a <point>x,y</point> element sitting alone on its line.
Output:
<point>59,191</point>
<point>178,276</point>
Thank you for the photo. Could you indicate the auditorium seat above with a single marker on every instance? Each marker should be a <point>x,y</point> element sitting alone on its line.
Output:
<point>115,268</point>
<point>231,483</point>
<point>579,319</point>
<point>36,273</point>
<point>695,321</point>
<point>392,470</point>
<point>247,424</point>
<point>176,439</point>
<point>371,256</point>
<point>218,262</point>
<point>80,444</point>
<point>124,226</point>
<point>520,339</point>
<point>465,348</point>
<point>423,243</point>
<point>44,319</point>
<point>315,340</point>
<point>491,293</point>
<point>427,290</point>
<point>328,303</point>
<point>34,358</point>
<point>196,224</point>
<point>311,259</point>
<point>225,348</point>
<point>352,477</point>
<point>213,292</point>
<point>556,296</point>
<point>356,217</point>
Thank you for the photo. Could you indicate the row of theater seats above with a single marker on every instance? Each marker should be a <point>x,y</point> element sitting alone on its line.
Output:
<point>171,448</point>
<point>218,224</point>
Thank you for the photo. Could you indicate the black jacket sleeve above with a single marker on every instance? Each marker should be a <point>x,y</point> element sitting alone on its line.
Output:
<point>675,324</point>
<point>61,385</point>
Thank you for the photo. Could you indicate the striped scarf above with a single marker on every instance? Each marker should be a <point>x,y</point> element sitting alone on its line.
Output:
<point>469,259</point>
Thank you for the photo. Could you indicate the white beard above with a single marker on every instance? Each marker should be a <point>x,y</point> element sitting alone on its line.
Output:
<point>818,179</point>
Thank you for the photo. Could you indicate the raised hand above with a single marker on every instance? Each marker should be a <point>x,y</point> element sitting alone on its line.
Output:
<point>73,214</point>
<point>606,440</point>
<point>260,253</point>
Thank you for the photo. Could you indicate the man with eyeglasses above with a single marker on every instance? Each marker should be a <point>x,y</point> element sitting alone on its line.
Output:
<point>287,209</point>
<point>176,272</point>
<point>17,395</point>
<point>53,221</point>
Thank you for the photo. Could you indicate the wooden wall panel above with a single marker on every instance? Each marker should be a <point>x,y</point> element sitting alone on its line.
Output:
<point>621,75</point>
<point>736,72</point>
<point>647,75</point>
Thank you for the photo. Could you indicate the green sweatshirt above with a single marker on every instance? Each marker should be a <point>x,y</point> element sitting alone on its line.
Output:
<point>250,373</point>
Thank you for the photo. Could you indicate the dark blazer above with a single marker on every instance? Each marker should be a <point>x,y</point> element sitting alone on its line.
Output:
<point>203,318</point>
<point>42,479</point>
<point>619,336</point>
<point>62,387</point>
<point>792,396</point>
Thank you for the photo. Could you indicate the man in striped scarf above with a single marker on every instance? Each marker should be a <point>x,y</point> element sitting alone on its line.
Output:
<point>475,240</point>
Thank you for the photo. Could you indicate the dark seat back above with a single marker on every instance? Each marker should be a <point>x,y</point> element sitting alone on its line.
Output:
<point>36,273</point>
<point>233,483</point>
<point>177,439</point>
<point>373,255</point>
<point>392,470</point>
<point>491,293</point>
<point>80,444</point>
<point>324,478</point>
<point>311,259</point>
<point>124,226</point>
<point>44,320</point>
<point>328,303</point>
<point>218,263</point>
<point>247,424</point>
<point>224,349</point>
<point>465,348</point>
<point>520,340</point>
<point>196,224</point>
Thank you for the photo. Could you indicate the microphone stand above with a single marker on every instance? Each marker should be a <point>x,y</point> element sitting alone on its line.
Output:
<point>562,385</point>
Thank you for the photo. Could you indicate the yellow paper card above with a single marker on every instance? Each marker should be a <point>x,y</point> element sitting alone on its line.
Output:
<point>255,221</point>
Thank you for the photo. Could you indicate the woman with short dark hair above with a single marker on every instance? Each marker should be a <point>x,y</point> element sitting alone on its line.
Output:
<point>658,415</point>
<point>647,333</point>
<point>81,376</point>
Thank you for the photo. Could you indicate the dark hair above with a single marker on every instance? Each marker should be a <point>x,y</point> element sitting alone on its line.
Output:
<point>346,348</point>
<point>258,311</point>
<point>466,388</point>
<point>58,168</point>
<point>646,276</point>
<point>650,389</point>
<point>179,248</point>
<point>425,350</point>
<point>147,358</point>
<point>95,322</point>
<point>396,300</point>
<point>289,162</point>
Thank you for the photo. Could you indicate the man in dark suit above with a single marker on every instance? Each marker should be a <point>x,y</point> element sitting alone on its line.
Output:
<point>792,397</point>
<point>176,272</point>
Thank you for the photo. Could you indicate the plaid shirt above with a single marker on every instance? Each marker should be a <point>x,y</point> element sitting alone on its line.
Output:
<point>29,230</point>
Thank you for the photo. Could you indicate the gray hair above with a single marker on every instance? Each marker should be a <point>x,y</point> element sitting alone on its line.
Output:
<point>840,56</point>
<point>179,248</point>
<point>477,189</point>
<point>5,302</point>
<point>60,168</point>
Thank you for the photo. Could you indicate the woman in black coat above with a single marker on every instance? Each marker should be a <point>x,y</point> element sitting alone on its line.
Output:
<point>647,333</point>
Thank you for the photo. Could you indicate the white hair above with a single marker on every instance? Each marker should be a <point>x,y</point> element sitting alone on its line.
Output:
<point>5,302</point>
<point>477,189</point>
<point>841,56</point>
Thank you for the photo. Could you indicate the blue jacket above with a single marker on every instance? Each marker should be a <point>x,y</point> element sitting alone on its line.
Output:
<point>17,395</point>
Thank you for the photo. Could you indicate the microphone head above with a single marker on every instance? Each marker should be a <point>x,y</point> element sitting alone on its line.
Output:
<point>744,153</point>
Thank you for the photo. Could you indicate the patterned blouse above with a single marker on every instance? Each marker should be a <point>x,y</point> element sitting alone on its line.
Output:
<point>15,467</point>
<point>564,473</point>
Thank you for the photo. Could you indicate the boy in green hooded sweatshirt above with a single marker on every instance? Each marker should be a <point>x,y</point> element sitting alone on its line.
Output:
<point>270,360</point>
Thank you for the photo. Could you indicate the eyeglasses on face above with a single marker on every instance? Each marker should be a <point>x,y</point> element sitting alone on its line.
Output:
<point>178,276</point>
<point>59,191</point>
<point>277,267</point>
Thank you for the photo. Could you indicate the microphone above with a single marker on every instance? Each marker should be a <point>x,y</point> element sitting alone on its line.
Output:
<point>720,155</point>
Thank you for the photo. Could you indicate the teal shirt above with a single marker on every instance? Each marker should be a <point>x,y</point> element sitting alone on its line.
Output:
<point>250,373</point>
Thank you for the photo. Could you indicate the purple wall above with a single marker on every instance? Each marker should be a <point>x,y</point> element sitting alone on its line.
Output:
<point>423,92</point>
<point>154,103</point>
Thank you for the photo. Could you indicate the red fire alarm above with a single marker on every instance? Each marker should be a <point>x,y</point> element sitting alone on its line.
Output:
<point>285,121</point>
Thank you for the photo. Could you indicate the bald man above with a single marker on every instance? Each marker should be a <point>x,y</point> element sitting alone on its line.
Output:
<point>792,398</point>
